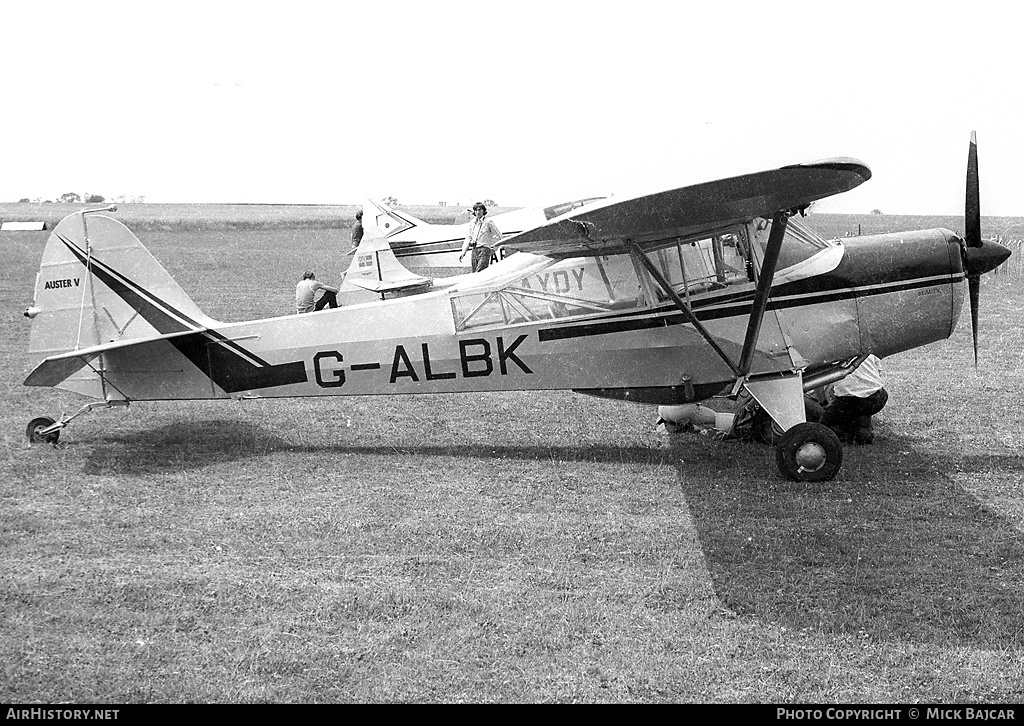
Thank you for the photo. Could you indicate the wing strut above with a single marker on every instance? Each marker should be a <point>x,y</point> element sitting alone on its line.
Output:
<point>666,287</point>
<point>760,304</point>
<point>764,285</point>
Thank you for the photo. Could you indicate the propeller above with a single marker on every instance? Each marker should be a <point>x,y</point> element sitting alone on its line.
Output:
<point>972,233</point>
<point>979,257</point>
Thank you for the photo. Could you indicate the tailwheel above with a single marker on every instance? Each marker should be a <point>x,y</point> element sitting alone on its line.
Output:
<point>36,425</point>
<point>809,452</point>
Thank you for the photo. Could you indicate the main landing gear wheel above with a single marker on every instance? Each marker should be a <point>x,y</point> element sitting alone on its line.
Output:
<point>809,452</point>
<point>38,424</point>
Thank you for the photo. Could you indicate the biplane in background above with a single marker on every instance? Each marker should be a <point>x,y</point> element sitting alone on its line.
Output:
<point>702,291</point>
<point>421,244</point>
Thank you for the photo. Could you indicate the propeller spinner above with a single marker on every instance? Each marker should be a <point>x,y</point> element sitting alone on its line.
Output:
<point>979,257</point>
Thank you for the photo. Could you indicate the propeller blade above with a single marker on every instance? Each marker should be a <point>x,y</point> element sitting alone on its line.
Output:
<point>979,257</point>
<point>972,234</point>
<point>972,206</point>
<point>974,290</point>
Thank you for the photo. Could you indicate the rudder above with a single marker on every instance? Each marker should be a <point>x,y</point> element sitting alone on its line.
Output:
<point>387,221</point>
<point>98,284</point>
<point>375,270</point>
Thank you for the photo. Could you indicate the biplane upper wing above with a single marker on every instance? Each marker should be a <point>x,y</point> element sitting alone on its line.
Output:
<point>610,226</point>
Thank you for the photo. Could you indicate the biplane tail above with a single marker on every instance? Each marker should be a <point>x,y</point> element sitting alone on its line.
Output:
<point>387,221</point>
<point>99,288</point>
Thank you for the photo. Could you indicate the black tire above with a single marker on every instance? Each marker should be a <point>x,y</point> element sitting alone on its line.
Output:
<point>809,452</point>
<point>38,424</point>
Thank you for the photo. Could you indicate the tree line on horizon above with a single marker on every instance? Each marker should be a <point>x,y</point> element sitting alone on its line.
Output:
<point>76,198</point>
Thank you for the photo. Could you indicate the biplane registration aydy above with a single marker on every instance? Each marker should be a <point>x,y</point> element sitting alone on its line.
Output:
<point>702,291</point>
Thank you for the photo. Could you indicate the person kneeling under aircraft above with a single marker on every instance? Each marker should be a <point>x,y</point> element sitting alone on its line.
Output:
<point>852,401</point>
<point>305,295</point>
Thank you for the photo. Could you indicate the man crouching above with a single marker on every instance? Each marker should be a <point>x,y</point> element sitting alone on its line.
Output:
<point>852,402</point>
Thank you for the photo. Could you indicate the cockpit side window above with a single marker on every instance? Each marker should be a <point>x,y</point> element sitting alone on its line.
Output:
<point>598,284</point>
<point>568,288</point>
<point>704,264</point>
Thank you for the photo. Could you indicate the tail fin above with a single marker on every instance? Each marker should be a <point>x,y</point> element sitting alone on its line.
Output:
<point>97,284</point>
<point>375,269</point>
<point>389,222</point>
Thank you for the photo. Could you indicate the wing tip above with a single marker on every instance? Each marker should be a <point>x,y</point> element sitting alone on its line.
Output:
<point>840,164</point>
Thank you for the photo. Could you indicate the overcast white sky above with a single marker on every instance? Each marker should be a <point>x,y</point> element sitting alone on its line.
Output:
<point>522,102</point>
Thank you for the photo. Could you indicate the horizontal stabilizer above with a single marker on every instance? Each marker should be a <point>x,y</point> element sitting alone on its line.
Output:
<point>58,368</point>
<point>382,286</point>
<point>54,371</point>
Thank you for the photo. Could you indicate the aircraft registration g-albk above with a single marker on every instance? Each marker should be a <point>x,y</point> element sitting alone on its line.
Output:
<point>675,297</point>
<point>422,244</point>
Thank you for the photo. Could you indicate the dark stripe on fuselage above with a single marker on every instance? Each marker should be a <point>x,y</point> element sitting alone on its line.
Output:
<point>232,372</point>
<point>223,360</point>
<point>407,247</point>
<point>667,315</point>
<point>418,249</point>
<point>861,274</point>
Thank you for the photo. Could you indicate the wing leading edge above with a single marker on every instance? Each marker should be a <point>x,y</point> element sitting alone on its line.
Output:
<point>611,226</point>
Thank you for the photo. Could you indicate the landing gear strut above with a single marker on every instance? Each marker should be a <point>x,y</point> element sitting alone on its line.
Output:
<point>44,430</point>
<point>804,450</point>
<point>764,430</point>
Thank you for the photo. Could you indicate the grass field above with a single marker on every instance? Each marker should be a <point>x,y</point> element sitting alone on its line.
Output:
<point>219,217</point>
<point>521,547</point>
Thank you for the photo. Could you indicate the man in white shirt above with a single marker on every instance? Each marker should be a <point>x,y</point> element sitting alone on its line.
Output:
<point>853,400</point>
<point>305,295</point>
<point>483,237</point>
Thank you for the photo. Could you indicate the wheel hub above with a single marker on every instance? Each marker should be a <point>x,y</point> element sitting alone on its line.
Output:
<point>811,456</point>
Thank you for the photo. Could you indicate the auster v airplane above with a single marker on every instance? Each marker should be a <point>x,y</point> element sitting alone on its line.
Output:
<point>421,244</point>
<point>707,290</point>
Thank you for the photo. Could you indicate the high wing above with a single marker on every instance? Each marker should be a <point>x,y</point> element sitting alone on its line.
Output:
<point>611,226</point>
<point>628,226</point>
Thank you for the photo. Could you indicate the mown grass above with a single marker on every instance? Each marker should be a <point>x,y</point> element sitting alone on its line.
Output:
<point>500,547</point>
